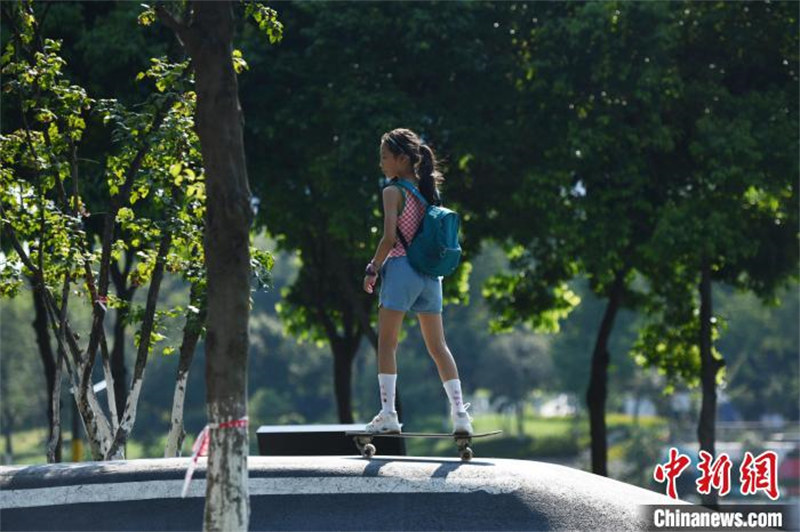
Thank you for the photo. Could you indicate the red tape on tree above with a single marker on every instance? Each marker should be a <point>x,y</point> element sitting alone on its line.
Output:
<point>200,447</point>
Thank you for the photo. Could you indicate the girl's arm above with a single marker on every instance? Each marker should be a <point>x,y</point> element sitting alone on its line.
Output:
<point>391,200</point>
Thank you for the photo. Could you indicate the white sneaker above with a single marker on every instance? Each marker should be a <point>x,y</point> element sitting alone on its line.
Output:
<point>462,422</point>
<point>384,423</point>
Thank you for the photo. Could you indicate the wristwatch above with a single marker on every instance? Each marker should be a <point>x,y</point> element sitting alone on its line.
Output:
<point>370,270</point>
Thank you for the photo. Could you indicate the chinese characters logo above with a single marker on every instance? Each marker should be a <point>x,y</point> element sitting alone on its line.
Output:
<point>756,474</point>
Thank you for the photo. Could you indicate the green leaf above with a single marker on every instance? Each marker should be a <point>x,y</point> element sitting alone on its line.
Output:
<point>125,214</point>
<point>146,17</point>
<point>239,64</point>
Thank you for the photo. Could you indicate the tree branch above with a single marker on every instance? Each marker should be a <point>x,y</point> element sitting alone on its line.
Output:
<point>110,394</point>
<point>183,32</point>
<point>94,420</point>
<point>148,323</point>
<point>12,235</point>
<point>168,20</point>
<point>108,234</point>
<point>191,334</point>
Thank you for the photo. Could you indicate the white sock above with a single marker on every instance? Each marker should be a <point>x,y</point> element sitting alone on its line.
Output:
<point>453,389</point>
<point>387,382</point>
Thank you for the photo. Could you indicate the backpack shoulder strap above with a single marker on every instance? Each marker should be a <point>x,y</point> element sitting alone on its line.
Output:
<point>413,189</point>
<point>397,229</point>
<point>402,194</point>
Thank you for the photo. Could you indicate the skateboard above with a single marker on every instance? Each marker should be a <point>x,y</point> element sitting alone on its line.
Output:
<point>363,440</point>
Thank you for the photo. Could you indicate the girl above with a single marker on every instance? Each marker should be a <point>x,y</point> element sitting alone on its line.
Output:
<point>405,158</point>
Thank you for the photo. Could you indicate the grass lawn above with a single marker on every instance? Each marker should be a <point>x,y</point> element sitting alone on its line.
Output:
<point>30,447</point>
<point>541,438</point>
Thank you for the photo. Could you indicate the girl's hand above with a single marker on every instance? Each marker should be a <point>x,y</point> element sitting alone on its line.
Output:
<point>369,283</point>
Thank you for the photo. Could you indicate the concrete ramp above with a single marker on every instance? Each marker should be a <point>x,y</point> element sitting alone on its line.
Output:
<point>325,493</point>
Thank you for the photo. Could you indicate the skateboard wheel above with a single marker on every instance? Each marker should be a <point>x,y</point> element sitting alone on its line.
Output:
<point>466,454</point>
<point>369,450</point>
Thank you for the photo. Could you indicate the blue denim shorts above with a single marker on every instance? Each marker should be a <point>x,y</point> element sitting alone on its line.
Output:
<point>404,288</point>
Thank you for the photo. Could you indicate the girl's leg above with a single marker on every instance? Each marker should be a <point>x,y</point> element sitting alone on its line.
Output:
<point>433,334</point>
<point>389,323</point>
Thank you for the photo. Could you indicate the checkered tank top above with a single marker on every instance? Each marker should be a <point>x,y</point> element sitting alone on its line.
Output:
<point>408,221</point>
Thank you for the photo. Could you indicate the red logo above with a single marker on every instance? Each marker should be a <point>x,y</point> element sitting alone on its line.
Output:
<point>715,473</point>
<point>760,473</point>
<point>755,474</point>
<point>672,470</point>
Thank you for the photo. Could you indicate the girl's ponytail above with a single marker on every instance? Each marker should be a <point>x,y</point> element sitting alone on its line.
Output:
<point>429,175</point>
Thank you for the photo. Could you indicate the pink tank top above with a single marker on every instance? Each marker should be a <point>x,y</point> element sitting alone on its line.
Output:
<point>408,222</point>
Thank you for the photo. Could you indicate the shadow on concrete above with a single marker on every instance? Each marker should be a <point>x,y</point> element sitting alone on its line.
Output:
<point>325,493</point>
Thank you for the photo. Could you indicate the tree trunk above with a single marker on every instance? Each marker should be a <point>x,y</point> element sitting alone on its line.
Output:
<point>46,352</point>
<point>342,376</point>
<point>208,40</point>
<point>95,424</point>
<point>8,426</point>
<point>229,215</point>
<point>596,393</point>
<point>77,445</point>
<point>119,371</point>
<point>98,431</point>
<point>191,333</point>
<point>54,443</point>
<point>708,374</point>
<point>9,455</point>
<point>344,347</point>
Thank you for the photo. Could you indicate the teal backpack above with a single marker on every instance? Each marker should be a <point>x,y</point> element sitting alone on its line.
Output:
<point>434,249</point>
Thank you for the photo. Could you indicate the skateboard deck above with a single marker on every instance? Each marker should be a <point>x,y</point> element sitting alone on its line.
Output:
<point>364,444</point>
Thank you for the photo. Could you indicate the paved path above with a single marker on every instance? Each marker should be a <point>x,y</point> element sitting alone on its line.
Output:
<point>325,493</point>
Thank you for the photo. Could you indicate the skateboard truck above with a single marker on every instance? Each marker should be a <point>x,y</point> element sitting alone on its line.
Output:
<point>365,447</point>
